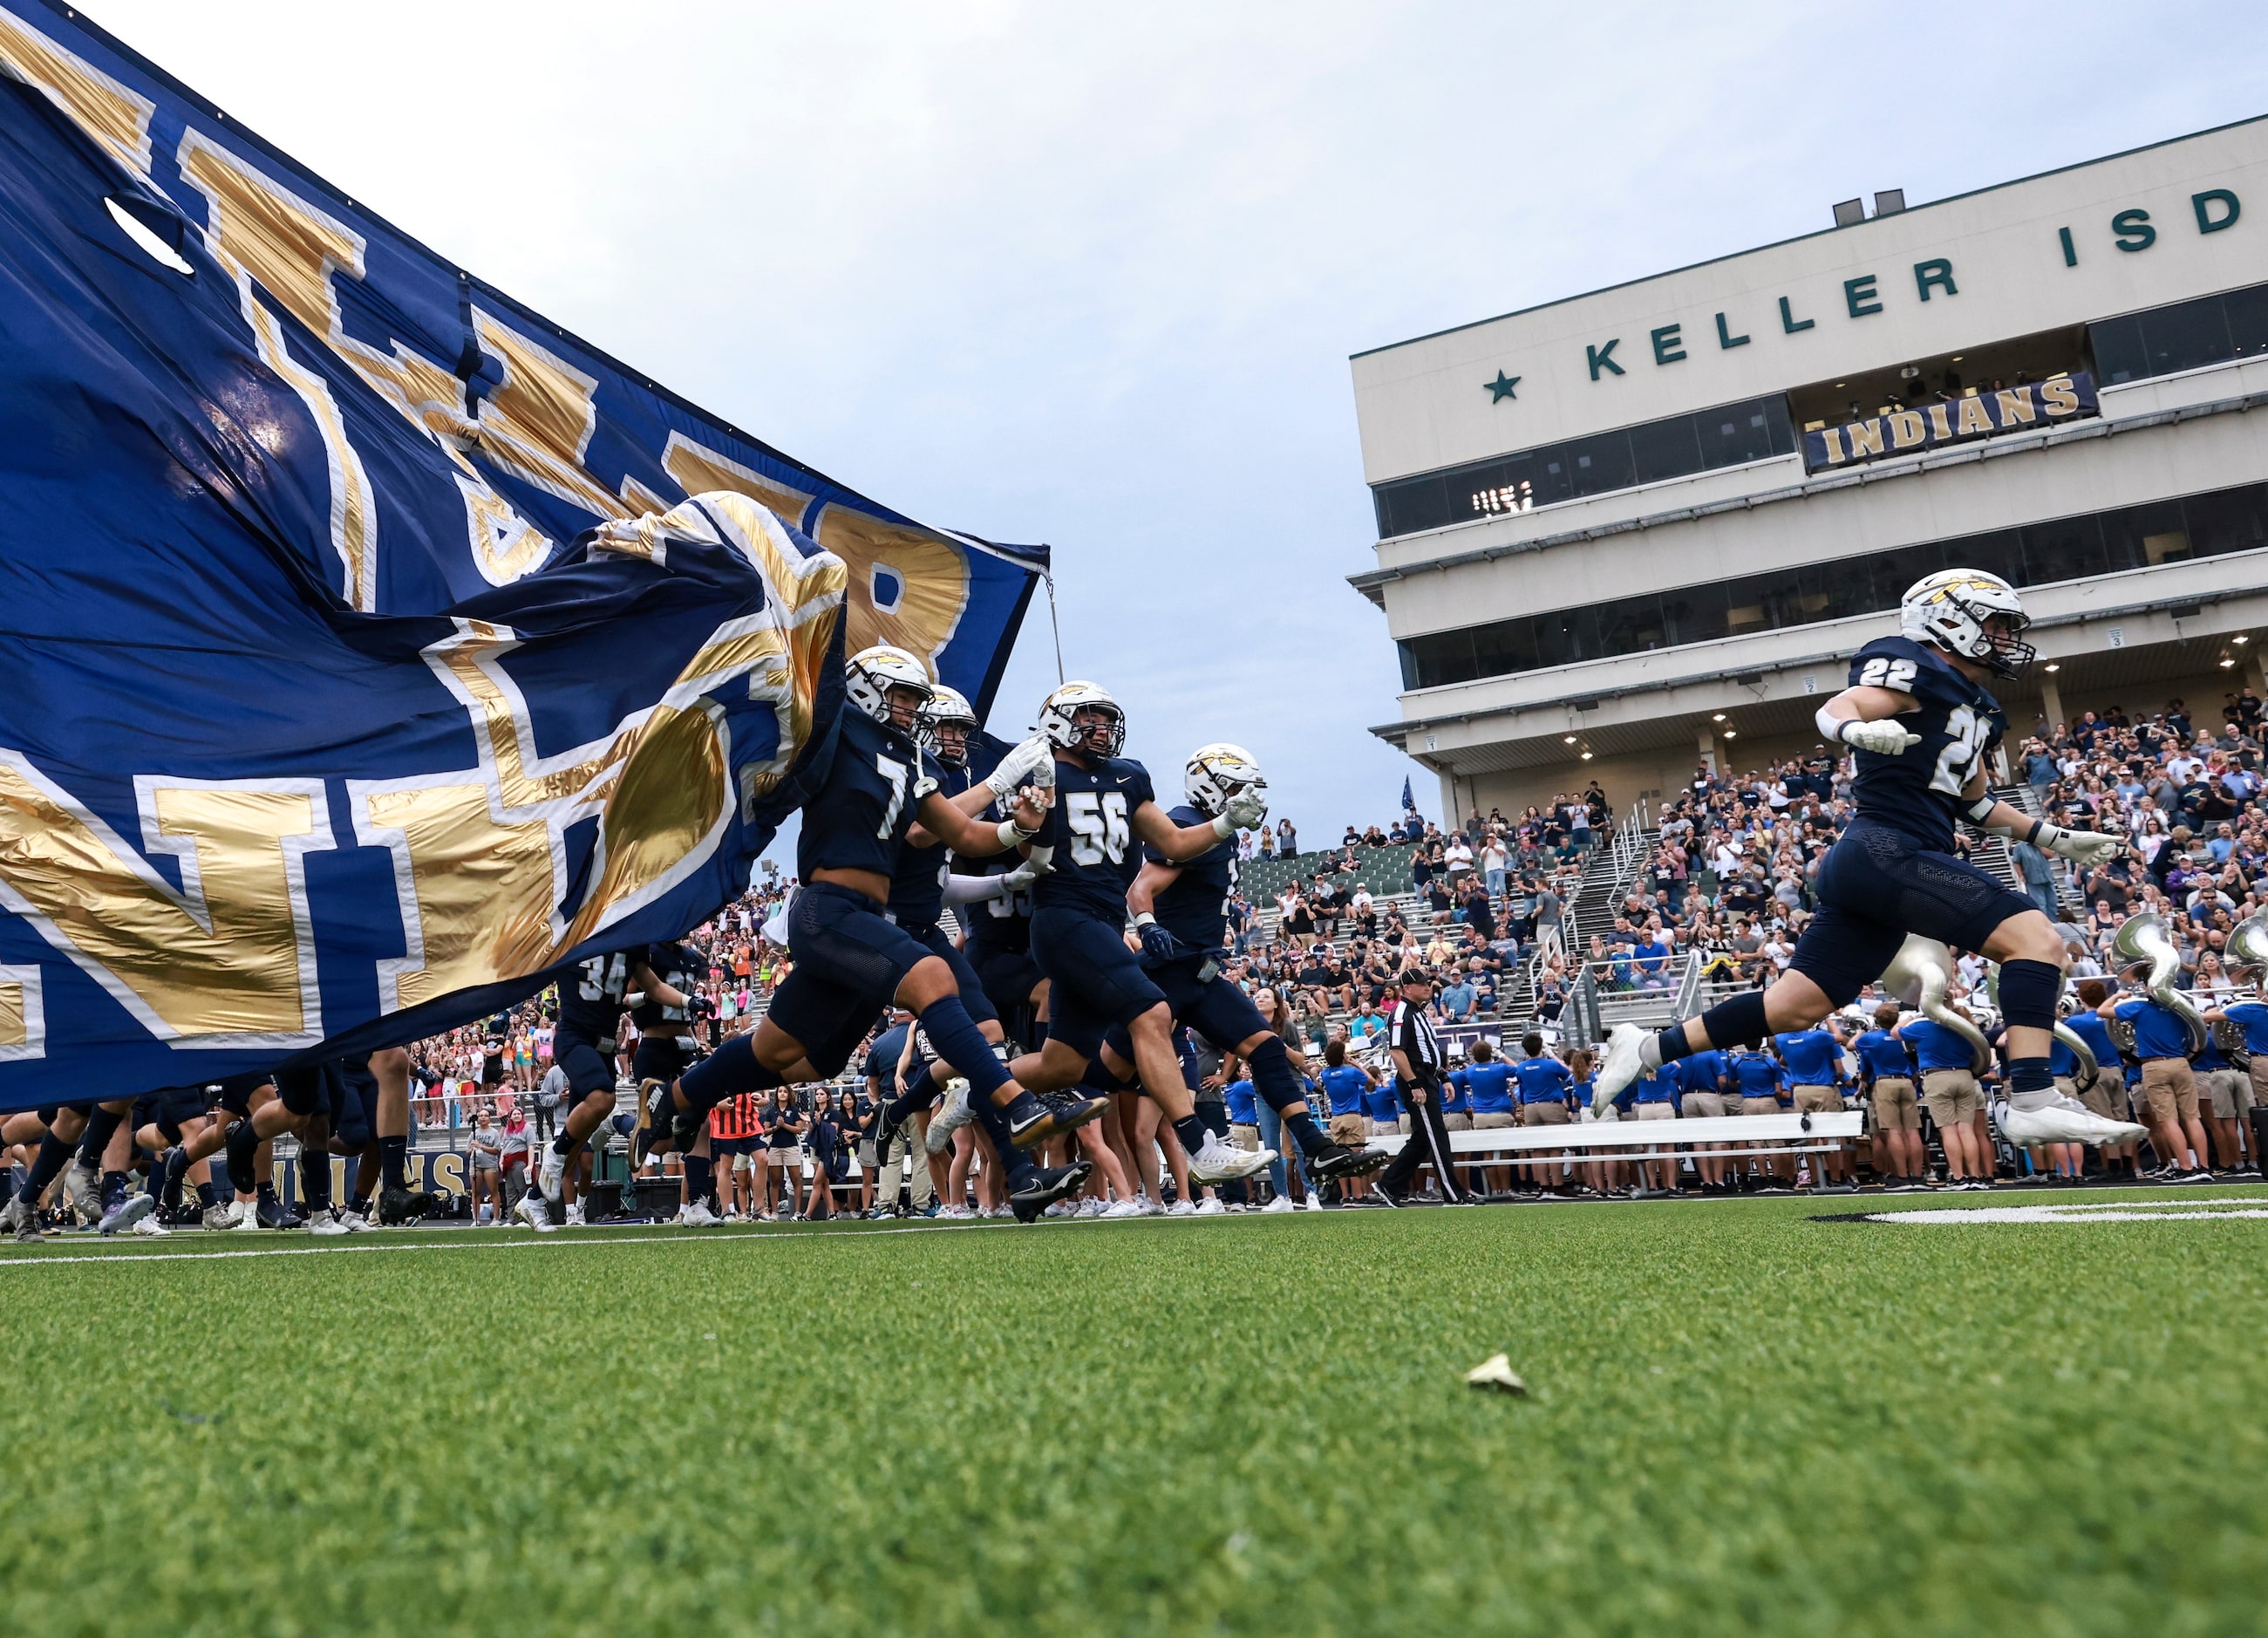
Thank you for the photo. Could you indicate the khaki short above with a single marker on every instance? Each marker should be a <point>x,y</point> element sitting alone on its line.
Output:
<point>2258,1075</point>
<point>1399,1126</point>
<point>1895,1107</point>
<point>1817,1100</point>
<point>1243,1136</point>
<point>1760,1106</point>
<point>1656,1111</point>
<point>785,1159</point>
<point>2170,1090</point>
<point>1350,1131</point>
<point>1456,1123</point>
<point>1953,1097</point>
<point>1703,1105</point>
<point>2230,1091</point>
<point>1543,1114</point>
<point>1495,1120</point>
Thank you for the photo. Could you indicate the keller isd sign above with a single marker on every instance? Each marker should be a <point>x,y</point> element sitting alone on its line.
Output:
<point>1952,421</point>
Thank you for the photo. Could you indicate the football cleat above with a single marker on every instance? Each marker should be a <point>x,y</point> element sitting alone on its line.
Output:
<point>950,1117</point>
<point>1042,1186</point>
<point>127,1213</point>
<point>1339,1160</point>
<point>696,1214</point>
<point>83,1192</point>
<point>153,1228</point>
<point>1625,1062</point>
<point>1218,1162</point>
<point>552,1178</point>
<point>2061,1120</point>
<point>405,1205</point>
<point>532,1210</point>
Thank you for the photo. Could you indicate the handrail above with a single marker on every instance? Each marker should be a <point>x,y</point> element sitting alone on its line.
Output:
<point>1688,987</point>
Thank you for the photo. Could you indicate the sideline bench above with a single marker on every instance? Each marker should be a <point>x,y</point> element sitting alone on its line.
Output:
<point>1661,1140</point>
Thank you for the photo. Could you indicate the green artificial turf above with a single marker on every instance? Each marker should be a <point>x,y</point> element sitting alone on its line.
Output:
<point>1741,1420</point>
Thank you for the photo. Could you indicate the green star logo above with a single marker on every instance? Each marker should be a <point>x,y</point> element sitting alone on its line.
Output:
<point>1500,388</point>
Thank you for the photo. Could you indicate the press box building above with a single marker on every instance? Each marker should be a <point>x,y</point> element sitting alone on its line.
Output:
<point>1651,523</point>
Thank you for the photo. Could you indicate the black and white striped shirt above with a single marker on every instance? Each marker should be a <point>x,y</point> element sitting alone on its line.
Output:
<point>1411,1033</point>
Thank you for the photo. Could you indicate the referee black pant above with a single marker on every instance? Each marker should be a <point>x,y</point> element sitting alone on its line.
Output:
<point>1428,1146</point>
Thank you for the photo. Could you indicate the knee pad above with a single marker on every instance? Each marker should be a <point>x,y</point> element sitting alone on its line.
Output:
<point>2029,990</point>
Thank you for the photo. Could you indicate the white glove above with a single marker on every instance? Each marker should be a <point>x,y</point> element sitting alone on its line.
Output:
<point>1021,877</point>
<point>1031,763</point>
<point>1884,738</point>
<point>2081,847</point>
<point>1247,810</point>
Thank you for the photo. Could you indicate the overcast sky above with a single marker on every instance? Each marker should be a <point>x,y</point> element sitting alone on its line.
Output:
<point>1090,276</point>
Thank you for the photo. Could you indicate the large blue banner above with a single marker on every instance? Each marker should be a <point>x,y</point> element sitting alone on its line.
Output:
<point>373,646</point>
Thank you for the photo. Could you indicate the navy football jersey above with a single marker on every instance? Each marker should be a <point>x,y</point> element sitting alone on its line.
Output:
<point>1091,831</point>
<point>918,884</point>
<point>860,816</point>
<point>590,994</point>
<point>675,965</point>
<point>1001,925</point>
<point>1919,791</point>
<point>1195,908</point>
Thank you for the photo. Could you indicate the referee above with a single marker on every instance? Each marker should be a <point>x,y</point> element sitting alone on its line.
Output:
<point>1418,1062</point>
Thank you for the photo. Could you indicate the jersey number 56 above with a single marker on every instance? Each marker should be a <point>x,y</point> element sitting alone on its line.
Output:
<point>1098,826</point>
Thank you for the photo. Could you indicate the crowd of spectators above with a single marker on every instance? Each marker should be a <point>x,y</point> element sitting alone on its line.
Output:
<point>1731,876</point>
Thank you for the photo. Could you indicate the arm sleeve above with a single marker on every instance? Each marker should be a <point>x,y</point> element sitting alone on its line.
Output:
<point>965,889</point>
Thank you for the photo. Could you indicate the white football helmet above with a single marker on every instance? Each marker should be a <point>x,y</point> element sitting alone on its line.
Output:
<point>874,672</point>
<point>947,708</point>
<point>1059,710</point>
<point>1950,608</point>
<point>1216,772</point>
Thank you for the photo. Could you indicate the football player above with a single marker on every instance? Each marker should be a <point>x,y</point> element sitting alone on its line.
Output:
<point>1105,806</point>
<point>1181,914</point>
<point>1920,723</point>
<point>851,961</point>
<point>591,999</point>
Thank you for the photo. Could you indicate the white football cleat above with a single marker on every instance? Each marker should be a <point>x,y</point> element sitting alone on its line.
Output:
<point>575,1216</point>
<point>1220,1162</point>
<point>531,1210</point>
<point>553,1176</point>
<point>327,1222</point>
<point>952,1118</point>
<point>2063,1120</point>
<point>696,1214</point>
<point>1275,1208</point>
<point>1624,1063</point>
<point>151,1227</point>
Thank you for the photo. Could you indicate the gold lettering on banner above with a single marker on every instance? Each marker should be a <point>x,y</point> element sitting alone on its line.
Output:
<point>1833,437</point>
<point>2014,404</point>
<point>23,1015</point>
<point>272,238</point>
<point>699,470</point>
<point>1940,422</point>
<point>928,577</point>
<point>1907,429</point>
<point>480,866</point>
<point>1866,439</point>
<point>116,117</point>
<point>1972,417</point>
<point>225,960</point>
<point>2059,396</point>
<point>538,422</point>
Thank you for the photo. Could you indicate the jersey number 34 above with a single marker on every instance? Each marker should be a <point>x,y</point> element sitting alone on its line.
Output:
<point>1098,826</point>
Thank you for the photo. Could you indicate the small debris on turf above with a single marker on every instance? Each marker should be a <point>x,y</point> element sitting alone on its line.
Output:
<point>1496,1372</point>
